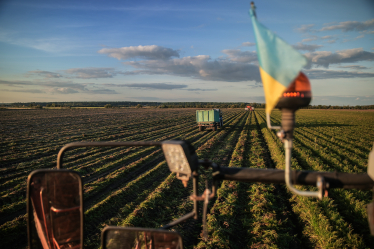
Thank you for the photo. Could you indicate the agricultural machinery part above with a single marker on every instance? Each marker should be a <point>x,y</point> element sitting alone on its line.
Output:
<point>180,156</point>
<point>181,159</point>
<point>297,95</point>
<point>54,209</point>
<point>133,237</point>
<point>370,169</point>
<point>320,184</point>
<point>55,198</point>
<point>370,207</point>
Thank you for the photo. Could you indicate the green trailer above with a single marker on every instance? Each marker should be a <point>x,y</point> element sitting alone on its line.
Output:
<point>208,118</point>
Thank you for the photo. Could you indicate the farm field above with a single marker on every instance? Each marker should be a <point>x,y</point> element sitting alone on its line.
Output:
<point>133,186</point>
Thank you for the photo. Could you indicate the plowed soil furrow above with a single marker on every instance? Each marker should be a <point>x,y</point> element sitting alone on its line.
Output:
<point>133,186</point>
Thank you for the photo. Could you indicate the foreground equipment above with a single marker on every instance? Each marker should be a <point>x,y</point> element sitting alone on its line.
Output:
<point>55,209</point>
<point>55,203</point>
<point>129,238</point>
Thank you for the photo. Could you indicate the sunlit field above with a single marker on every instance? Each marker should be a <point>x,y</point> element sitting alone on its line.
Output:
<point>133,187</point>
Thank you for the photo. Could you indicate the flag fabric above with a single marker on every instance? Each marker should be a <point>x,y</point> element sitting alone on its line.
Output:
<point>279,62</point>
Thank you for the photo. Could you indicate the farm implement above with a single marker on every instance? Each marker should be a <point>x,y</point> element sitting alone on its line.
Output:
<point>55,197</point>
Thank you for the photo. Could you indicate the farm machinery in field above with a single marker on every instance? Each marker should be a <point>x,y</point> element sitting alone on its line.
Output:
<point>55,197</point>
<point>209,119</point>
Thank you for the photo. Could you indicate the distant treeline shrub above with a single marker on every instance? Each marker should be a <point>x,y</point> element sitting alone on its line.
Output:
<point>129,104</point>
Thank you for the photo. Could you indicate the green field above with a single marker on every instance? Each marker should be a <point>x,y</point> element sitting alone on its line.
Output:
<point>133,186</point>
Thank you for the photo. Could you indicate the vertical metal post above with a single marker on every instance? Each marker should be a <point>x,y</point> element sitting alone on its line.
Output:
<point>269,123</point>
<point>288,150</point>
<point>195,186</point>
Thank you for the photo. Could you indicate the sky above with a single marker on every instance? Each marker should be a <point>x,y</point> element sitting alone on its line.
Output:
<point>179,51</point>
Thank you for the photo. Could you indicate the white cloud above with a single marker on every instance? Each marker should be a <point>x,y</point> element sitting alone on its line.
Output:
<point>91,73</point>
<point>239,66</point>
<point>151,52</point>
<point>334,74</point>
<point>305,28</point>
<point>46,44</point>
<point>101,91</point>
<point>327,37</point>
<point>45,74</point>
<point>313,38</point>
<point>332,41</point>
<point>240,56</point>
<point>62,90</point>
<point>248,44</point>
<point>159,86</point>
<point>325,58</point>
<point>306,47</point>
<point>57,87</point>
<point>199,67</point>
<point>23,90</point>
<point>351,26</point>
<point>200,90</point>
<point>355,67</point>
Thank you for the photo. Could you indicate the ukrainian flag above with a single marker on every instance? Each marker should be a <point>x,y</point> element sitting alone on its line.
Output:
<point>279,62</point>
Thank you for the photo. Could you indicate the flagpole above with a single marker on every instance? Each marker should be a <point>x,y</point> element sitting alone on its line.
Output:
<point>278,73</point>
<point>253,7</point>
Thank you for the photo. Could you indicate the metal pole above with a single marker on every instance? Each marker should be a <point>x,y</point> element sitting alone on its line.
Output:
<point>288,149</point>
<point>195,187</point>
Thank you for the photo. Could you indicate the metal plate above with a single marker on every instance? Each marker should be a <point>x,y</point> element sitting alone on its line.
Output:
<point>371,164</point>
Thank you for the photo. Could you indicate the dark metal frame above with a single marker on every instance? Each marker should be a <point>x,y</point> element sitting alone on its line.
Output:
<point>333,179</point>
<point>276,176</point>
<point>195,175</point>
<point>28,200</point>
<point>109,228</point>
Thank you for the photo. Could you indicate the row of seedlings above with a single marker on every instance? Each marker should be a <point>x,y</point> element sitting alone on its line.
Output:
<point>322,222</point>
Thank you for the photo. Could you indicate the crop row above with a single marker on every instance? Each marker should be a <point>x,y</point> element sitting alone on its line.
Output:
<point>44,157</point>
<point>351,204</point>
<point>250,215</point>
<point>323,223</point>
<point>192,135</point>
<point>133,186</point>
<point>44,150</point>
<point>100,158</point>
<point>12,186</point>
<point>94,237</point>
<point>170,199</point>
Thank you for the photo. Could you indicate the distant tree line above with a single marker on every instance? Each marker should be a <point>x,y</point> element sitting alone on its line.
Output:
<point>360,107</point>
<point>124,104</point>
<point>129,104</point>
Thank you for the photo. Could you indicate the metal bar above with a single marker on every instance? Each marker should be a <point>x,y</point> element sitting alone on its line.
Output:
<point>333,179</point>
<point>100,144</point>
<point>269,123</point>
<point>288,149</point>
<point>56,210</point>
<point>195,176</point>
<point>181,219</point>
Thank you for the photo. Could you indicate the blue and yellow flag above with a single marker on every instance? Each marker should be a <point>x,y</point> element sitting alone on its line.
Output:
<point>279,62</point>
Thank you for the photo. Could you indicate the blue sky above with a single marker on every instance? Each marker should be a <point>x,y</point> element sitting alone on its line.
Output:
<point>52,51</point>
